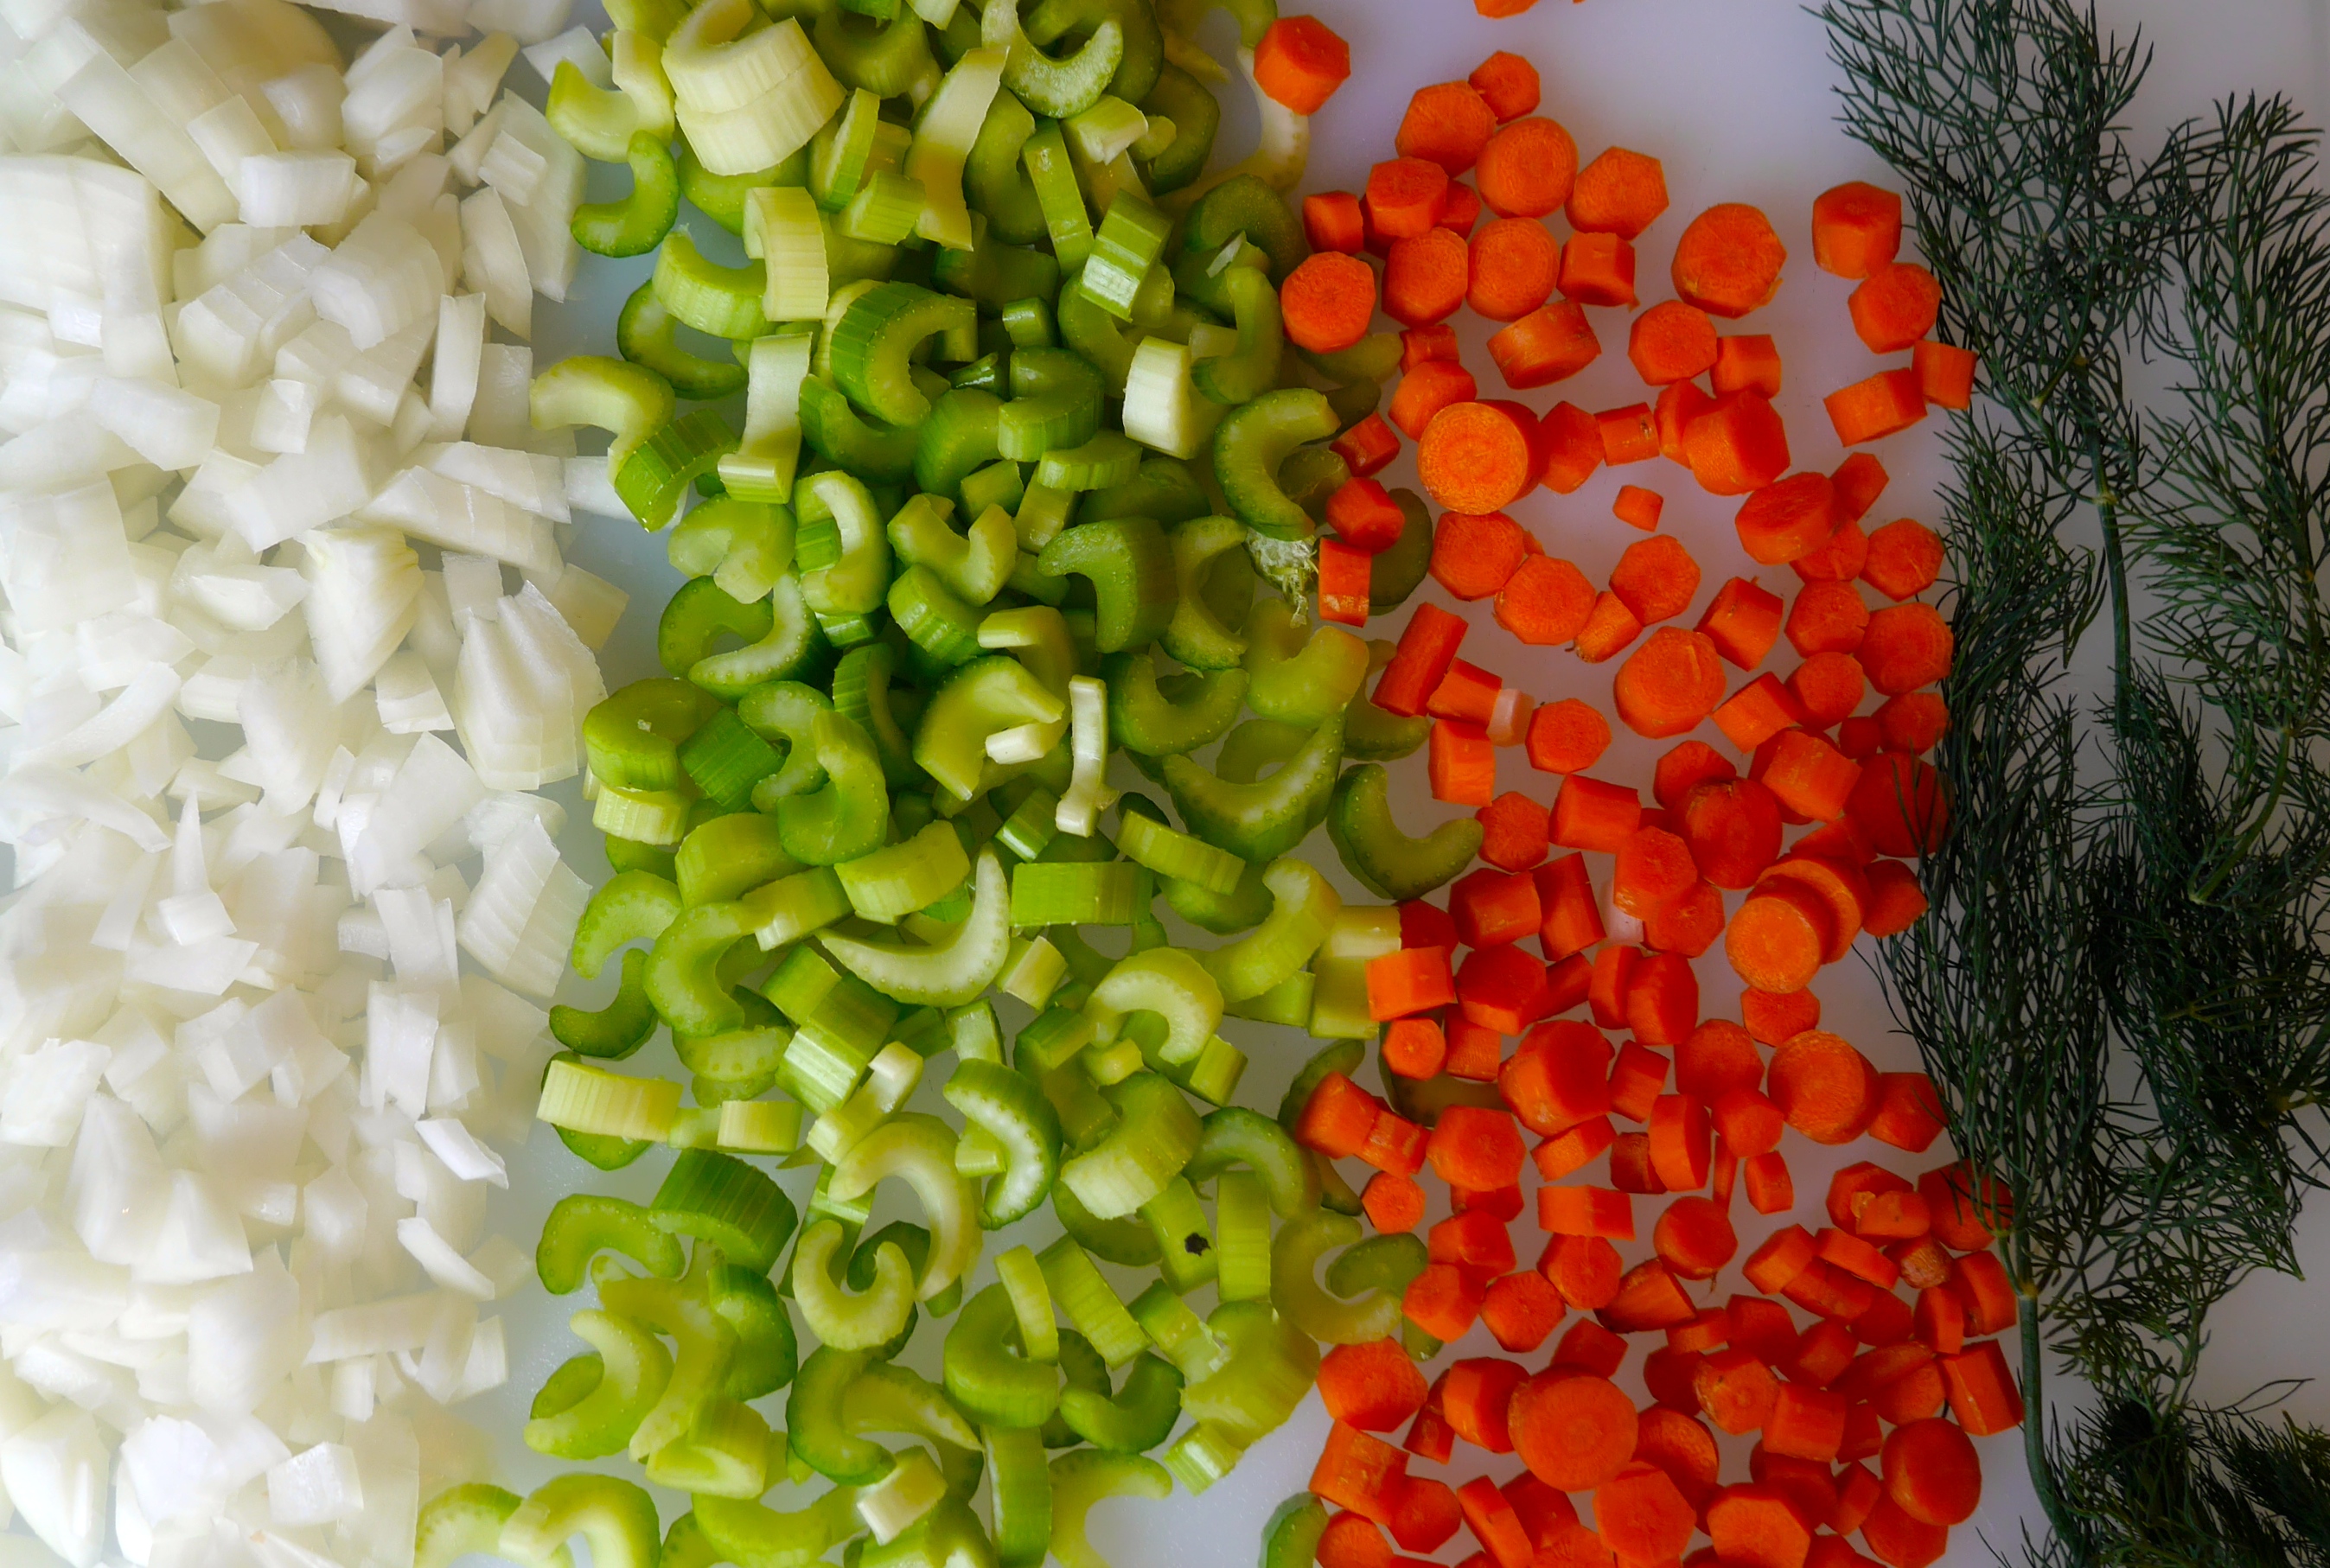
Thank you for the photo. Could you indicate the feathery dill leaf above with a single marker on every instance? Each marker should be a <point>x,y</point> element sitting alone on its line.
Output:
<point>2122,989</point>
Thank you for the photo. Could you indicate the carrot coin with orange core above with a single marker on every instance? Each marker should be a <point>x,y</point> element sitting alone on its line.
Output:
<point>1729,261</point>
<point>1328,301</point>
<point>1528,168</point>
<point>1474,458</point>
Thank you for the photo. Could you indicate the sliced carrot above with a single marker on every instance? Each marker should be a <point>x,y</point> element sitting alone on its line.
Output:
<point>1423,1514</point>
<point>1475,1147</point>
<point>1899,1540</point>
<point>1913,721</point>
<point>1737,1391</point>
<point>1694,1237</point>
<point>1787,519</point>
<point>1427,390</point>
<point>1476,556</point>
<point>1331,221</point>
<point>1904,559</point>
<point>1862,1260</point>
<point>1682,1142</point>
<point>1809,776</point>
<point>1678,403</point>
<point>1394,1202</point>
<point>1572,443</point>
<point>1710,1330</point>
<point>1367,447</point>
<point>1895,306</point>
<point>1662,996</point>
<point>1826,688</point>
<point>1430,1436</point>
<point>1345,575</point>
<point>1898,803</point>
<point>1353,1541</point>
<point>1364,516</point>
<point>1671,342</point>
<point>1907,646</point>
<point>1528,168</point>
<point>1715,1059</point>
<point>1983,1394</point>
<point>1404,196</point>
<point>1669,683</point>
<point>1474,1240</point>
<point>1653,867</point>
<point>1591,813</point>
<point>1807,1424</point>
<point>1573,922</point>
<point>1514,266</point>
<point>1550,344</point>
<point>1888,1321</point>
<point>1598,270</point>
<point>1656,579</point>
<point>1827,617</point>
<point>1585,1270</point>
<point>1909,1112</point>
<point>1475,457</point>
<point>1408,980</point>
<point>1883,404</point>
<point>1442,1301</point>
<point>1506,83</point>
<point>1414,1048</point>
<point>1685,765</point>
<point>1461,211</point>
<point>1668,1375</point>
<point>1505,1543</point>
<point>1515,829</point>
<point>1629,435</point>
<point>1474,1052</point>
<point>1642,1515</point>
<point>1747,362</point>
<point>1521,1309</point>
<point>1424,345</point>
<point>1729,261</point>
<point>1679,1445</point>
<point>1609,627</point>
<point>1300,62</point>
<point>1476,1396</point>
<point>1757,712</point>
<point>1860,480</point>
<point>1498,9</point>
<point>1505,989</point>
<point>1860,737</point>
<point>1640,508</point>
<point>1620,193</point>
<point>1449,123</point>
<point>1944,373</point>
<point>1825,1088</point>
<point>1688,923</point>
<point>1372,1385</point>
<point>1748,1120</point>
<point>1856,229</point>
<point>1743,621</point>
<point>1586,1212</point>
<point>1573,1430</point>
<point>1639,1072</point>
<point>1567,736</point>
<point>1573,1149</point>
<point>1736,445</point>
<point>1932,1472</point>
<point>1328,301</point>
<point>1425,278</point>
<point>1462,769</point>
<point>1755,1526</point>
<point>1775,939</point>
<point>1770,1189</point>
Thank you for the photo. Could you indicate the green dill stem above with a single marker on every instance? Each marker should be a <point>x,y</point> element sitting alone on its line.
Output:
<point>2034,1435</point>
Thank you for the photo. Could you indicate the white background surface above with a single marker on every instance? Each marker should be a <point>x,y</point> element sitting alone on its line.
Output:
<point>1735,96</point>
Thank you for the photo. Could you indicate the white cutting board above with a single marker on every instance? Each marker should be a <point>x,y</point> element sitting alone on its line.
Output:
<point>1736,97</point>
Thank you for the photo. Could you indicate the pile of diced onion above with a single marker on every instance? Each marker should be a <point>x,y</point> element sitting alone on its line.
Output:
<point>290,645</point>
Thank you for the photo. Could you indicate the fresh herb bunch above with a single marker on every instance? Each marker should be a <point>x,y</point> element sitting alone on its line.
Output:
<point>2122,989</point>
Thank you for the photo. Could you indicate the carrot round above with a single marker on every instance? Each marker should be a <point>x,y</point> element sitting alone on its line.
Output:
<point>1528,168</point>
<point>1585,1270</point>
<point>1656,578</point>
<point>1522,1310</point>
<point>1404,196</point>
<point>1574,1431</point>
<point>1550,344</point>
<point>1449,123</point>
<point>1671,342</point>
<point>1747,362</point>
<point>1828,686</point>
<point>1414,1048</point>
<point>1568,736</point>
<point>1736,1390</point>
<point>1394,1202</point>
<point>1786,519</point>
<point>1913,721</point>
<point>1679,1445</point>
<point>1620,193</point>
<point>1331,221</point>
<point>1840,559</point>
<point>1639,508</point>
<point>1875,406</point>
<point>1777,938</point>
<point>1687,923</point>
<point>1944,372</point>
<point>1694,1237</point>
<point>1474,1147</point>
<point>1424,391</point>
<point>1733,829</point>
<point>1826,617</point>
<point>1907,646</point>
<point>1425,278</point>
<point>1642,1515</point>
<point>1669,683</point>
<point>1506,83</point>
<point>1513,266</point>
<point>1736,445</point>
<point>1895,306</point>
<point>1473,458</point>
<point>1328,301</point>
<point>1653,865</point>
<point>1351,1541</point>
<point>1598,270</point>
<point>1900,1539</point>
<point>1856,229</point>
<point>1904,559</point>
<point>1744,620</point>
<point>1771,1018</point>
<point>1372,1385</point>
<point>1729,261</point>
<point>1715,1059</point>
<point>1825,1088</point>
<point>1755,1524</point>
<point>1301,61</point>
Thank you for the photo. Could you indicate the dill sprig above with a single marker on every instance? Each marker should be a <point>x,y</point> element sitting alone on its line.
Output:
<point>2122,990</point>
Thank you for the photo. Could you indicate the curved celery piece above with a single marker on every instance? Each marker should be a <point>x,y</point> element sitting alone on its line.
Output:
<point>722,197</point>
<point>1172,984</point>
<point>861,689</point>
<point>1290,1537</point>
<point>1387,862</point>
<point>920,1151</point>
<point>1245,204</point>
<point>1246,905</point>
<point>767,1354</point>
<point>683,973</point>
<point>1141,718</point>
<point>615,1031</point>
<point>791,643</point>
<point>1136,1418</point>
<point>1010,1108</point>
<point>753,1535</point>
<point>1131,568</point>
<point>949,123</point>
<point>888,1398</point>
<point>723,301</point>
<point>726,1454</point>
<point>635,64</point>
<point>1399,572</point>
<point>696,615</point>
<point>837,432</point>
<point>1038,637</point>
<point>1055,401</point>
<point>703,1342</point>
<point>874,336</point>
<point>786,711</point>
<point>1300,678</point>
<point>653,480</point>
<point>463,1519</point>
<point>1080,1368</point>
<point>816,1416</point>
<point>1108,460</point>
<point>1144,45</point>
<point>632,738</point>
<point>1305,907</point>
<point>987,1375</point>
<point>628,401</point>
<point>1196,117</point>
<point>596,121</point>
<point>1372,734</point>
<point>1255,747</point>
<point>848,814</point>
<point>1234,1135</point>
<point>877,57</point>
<point>1093,333</point>
<point>745,1058</point>
<point>978,700</point>
<point>580,1224</point>
<point>1164,489</point>
<point>742,546</point>
<point>1087,1477</point>
<point>721,1199</point>
<point>631,906</point>
<point>1195,635</point>
<point>857,582</point>
<point>1296,1293</point>
<point>1054,88</point>
<point>913,873</point>
<point>835,1317</point>
<point>951,973</point>
<point>1264,819</point>
<point>1155,1134</point>
<point>974,564</point>
<point>1254,439</point>
<point>639,222</point>
<point>1122,1240</point>
<point>616,1519</point>
<point>956,440</point>
<point>1251,368</point>
<point>992,176</point>
<point>635,1371</point>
